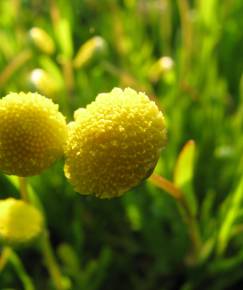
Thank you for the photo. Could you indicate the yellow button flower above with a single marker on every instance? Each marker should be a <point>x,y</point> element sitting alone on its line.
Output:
<point>32,133</point>
<point>20,222</point>
<point>114,143</point>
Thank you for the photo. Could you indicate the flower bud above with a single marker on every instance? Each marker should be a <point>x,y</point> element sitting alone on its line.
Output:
<point>42,40</point>
<point>114,143</point>
<point>89,50</point>
<point>32,133</point>
<point>20,222</point>
<point>44,82</point>
<point>162,68</point>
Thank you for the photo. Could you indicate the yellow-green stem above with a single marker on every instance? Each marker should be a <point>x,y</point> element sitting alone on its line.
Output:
<point>50,261</point>
<point>166,185</point>
<point>67,68</point>
<point>189,219</point>
<point>19,267</point>
<point>186,26</point>
<point>4,258</point>
<point>46,247</point>
<point>23,188</point>
<point>18,61</point>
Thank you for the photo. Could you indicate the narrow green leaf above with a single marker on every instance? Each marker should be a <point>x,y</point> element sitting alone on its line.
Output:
<point>183,174</point>
<point>233,211</point>
<point>64,37</point>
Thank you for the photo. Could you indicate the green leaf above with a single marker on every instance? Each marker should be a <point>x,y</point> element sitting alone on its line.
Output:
<point>64,37</point>
<point>233,212</point>
<point>69,258</point>
<point>183,174</point>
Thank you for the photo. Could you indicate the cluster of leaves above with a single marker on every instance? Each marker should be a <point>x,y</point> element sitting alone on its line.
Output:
<point>138,241</point>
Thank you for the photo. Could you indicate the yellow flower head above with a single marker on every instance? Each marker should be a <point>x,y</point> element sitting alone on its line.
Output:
<point>32,133</point>
<point>114,143</point>
<point>20,222</point>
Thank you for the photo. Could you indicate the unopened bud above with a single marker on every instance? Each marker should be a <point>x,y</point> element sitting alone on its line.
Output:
<point>44,82</point>
<point>42,40</point>
<point>92,48</point>
<point>162,67</point>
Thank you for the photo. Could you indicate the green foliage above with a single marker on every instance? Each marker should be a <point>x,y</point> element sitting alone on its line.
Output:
<point>184,174</point>
<point>139,241</point>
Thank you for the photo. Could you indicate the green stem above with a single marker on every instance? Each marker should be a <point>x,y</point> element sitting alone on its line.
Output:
<point>50,261</point>
<point>4,258</point>
<point>189,219</point>
<point>67,68</point>
<point>23,188</point>
<point>166,185</point>
<point>186,27</point>
<point>195,237</point>
<point>19,267</point>
<point>18,61</point>
<point>46,247</point>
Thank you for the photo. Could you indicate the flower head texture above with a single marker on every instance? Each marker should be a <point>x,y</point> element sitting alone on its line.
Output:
<point>32,133</point>
<point>20,222</point>
<point>114,143</point>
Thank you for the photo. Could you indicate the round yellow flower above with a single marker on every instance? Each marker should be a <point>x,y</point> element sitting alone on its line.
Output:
<point>20,222</point>
<point>114,143</point>
<point>32,133</point>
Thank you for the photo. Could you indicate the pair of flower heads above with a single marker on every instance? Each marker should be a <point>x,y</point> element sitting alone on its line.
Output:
<point>110,147</point>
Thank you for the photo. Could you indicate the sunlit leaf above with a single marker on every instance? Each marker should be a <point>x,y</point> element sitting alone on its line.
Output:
<point>183,174</point>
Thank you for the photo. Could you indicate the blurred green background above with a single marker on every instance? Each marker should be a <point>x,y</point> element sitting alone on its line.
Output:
<point>187,56</point>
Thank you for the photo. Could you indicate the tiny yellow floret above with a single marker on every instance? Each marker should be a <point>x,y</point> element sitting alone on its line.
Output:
<point>114,143</point>
<point>20,222</point>
<point>32,133</point>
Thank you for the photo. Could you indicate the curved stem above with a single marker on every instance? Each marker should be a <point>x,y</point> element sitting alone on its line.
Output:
<point>166,185</point>
<point>46,247</point>
<point>4,258</point>
<point>19,267</point>
<point>188,217</point>
<point>50,261</point>
<point>18,61</point>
